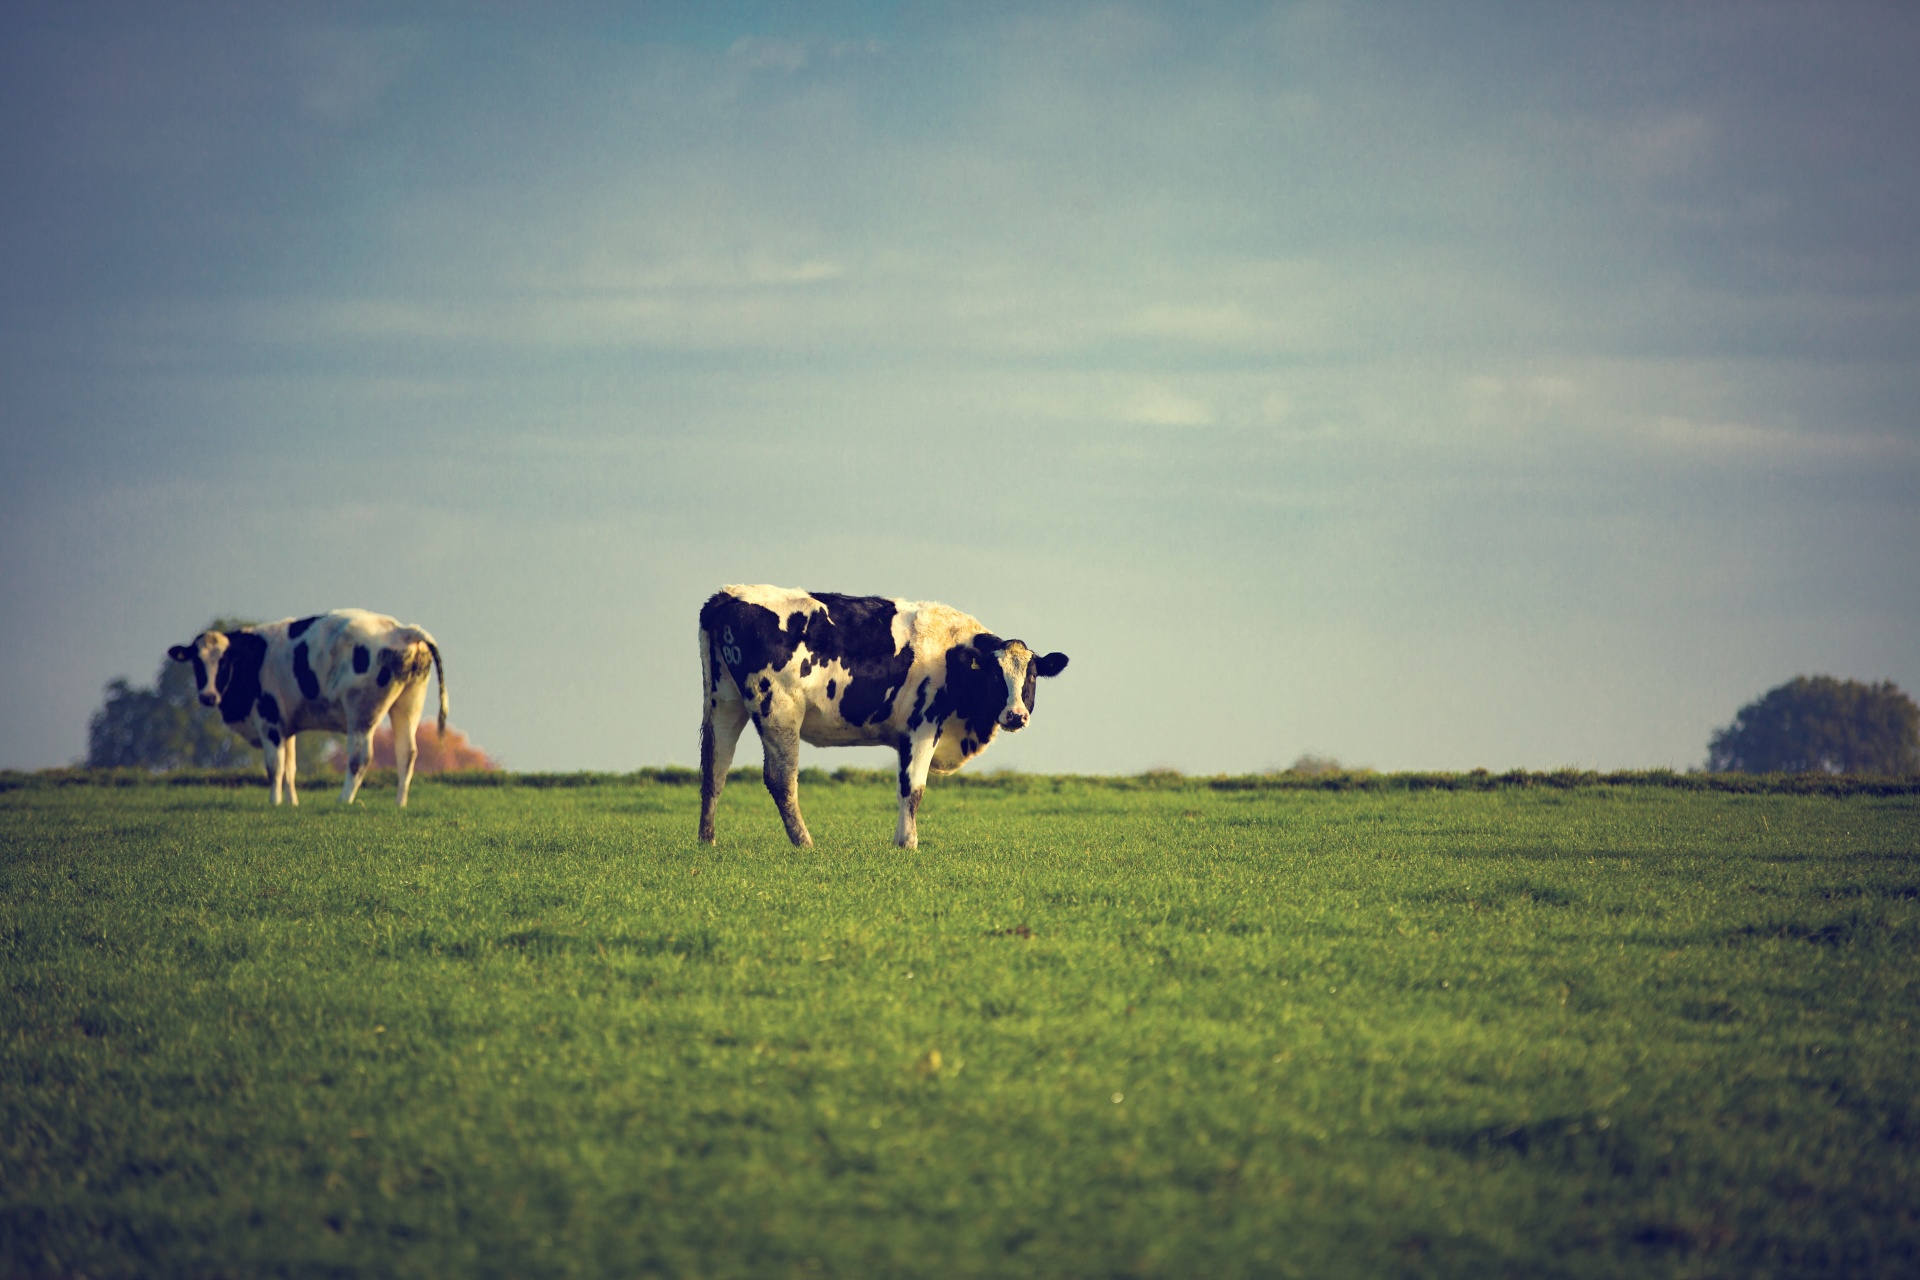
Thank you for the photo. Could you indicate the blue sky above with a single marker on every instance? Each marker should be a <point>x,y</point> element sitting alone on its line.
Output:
<point>1429,386</point>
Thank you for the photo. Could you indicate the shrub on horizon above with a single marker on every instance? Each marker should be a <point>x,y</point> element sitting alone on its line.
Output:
<point>434,753</point>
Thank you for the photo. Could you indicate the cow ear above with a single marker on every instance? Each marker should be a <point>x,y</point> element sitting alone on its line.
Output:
<point>1051,665</point>
<point>987,642</point>
<point>180,653</point>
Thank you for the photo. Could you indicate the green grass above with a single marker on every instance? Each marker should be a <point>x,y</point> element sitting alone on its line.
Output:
<point>1086,1029</point>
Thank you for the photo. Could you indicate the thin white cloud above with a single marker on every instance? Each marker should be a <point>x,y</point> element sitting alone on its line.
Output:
<point>1770,444</point>
<point>342,72</point>
<point>1157,406</point>
<point>765,53</point>
<point>1664,145</point>
<point>783,54</point>
<point>1222,325</point>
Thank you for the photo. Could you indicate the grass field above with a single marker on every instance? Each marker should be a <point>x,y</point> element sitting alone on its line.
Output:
<point>1087,1029</point>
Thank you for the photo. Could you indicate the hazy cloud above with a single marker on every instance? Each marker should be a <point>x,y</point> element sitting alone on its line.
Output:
<point>343,72</point>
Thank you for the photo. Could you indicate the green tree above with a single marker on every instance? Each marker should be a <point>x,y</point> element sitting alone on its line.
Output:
<point>157,728</point>
<point>1817,724</point>
<point>165,727</point>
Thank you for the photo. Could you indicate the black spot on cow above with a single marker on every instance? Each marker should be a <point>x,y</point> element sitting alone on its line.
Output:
<point>975,689</point>
<point>303,672</point>
<point>831,684</point>
<point>905,747</point>
<point>806,667</point>
<point>914,718</point>
<point>238,678</point>
<point>273,736</point>
<point>299,628</point>
<point>269,708</point>
<point>748,637</point>
<point>765,684</point>
<point>360,659</point>
<point>856,631</point>
<point>766,704</point>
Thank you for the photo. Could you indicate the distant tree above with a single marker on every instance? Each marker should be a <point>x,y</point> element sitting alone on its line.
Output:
<point>1817,724</point>
<point>165,727</point>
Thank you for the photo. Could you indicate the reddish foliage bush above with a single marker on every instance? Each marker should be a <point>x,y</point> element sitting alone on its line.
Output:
<point>432,753</point>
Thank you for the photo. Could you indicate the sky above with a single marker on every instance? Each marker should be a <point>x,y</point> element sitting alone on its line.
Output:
<point>1426,386</point>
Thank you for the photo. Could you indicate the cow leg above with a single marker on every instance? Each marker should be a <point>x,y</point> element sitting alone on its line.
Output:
<point>780,745</point>
<point>916,757</point>
<point>405,719</point>
<point>270,752</point>
<point>719,734</point>
<point>359,755</point>
<point>290,769</point>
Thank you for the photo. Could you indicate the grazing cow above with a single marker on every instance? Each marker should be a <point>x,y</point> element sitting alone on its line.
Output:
<point>846,671</point>
<point>339,672</point>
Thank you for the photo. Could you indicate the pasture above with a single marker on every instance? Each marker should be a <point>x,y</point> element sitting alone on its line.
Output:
<point>1088,1028</point>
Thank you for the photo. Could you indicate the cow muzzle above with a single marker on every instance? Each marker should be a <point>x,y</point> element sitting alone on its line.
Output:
<point>209,699</point>
<point>1014,720</point>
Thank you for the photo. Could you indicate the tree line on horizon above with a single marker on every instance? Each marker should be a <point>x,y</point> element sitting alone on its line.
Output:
<point>1810,724</point>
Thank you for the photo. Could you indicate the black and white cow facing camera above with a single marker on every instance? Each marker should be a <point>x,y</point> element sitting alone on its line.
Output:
<point>851,671</point>
<point>340,672</point>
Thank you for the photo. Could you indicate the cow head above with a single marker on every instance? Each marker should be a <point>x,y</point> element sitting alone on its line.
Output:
<point>211,671</point>
<point>1000,678</point>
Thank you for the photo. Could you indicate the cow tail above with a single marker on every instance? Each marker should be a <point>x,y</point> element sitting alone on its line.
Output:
<point>440,680</point>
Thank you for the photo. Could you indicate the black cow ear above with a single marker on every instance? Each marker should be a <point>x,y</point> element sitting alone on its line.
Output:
<point>1051,665</point>
<point>180,653</point>
<point>987,642</point>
